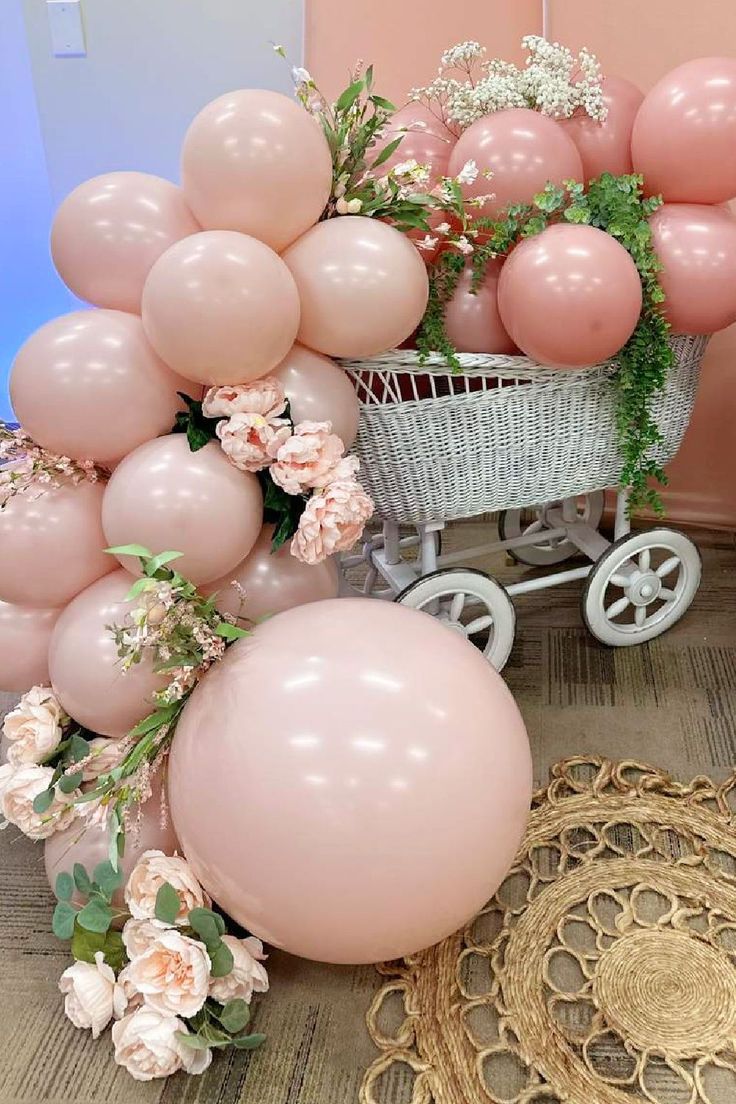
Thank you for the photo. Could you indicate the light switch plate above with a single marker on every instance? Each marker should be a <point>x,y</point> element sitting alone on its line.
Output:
<point>67,28</point>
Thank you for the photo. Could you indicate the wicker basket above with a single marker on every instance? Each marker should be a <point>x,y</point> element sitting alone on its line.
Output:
<point>503,433</point>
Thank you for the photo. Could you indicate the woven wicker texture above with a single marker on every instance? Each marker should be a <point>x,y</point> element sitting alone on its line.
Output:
<point>602,972</point>
<point>503,433</point>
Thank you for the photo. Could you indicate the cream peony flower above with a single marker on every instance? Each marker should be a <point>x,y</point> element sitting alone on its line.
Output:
<point>250,440</point>
<point>332,521</point>
<point>139,934</point>
<point>91,995</point>
<point>307,458</point>
<point>146,1046</point>
<point>263,396</point>
<point>247,976</point>
<point>34,728</point>
<point>18,788</point>
<point>172,974</point>
<point>105,753</point>
<point>149,874</point>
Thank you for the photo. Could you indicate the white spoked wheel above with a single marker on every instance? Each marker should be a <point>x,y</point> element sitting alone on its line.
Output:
<point>641,586</point>
<point>468,602</point>
<point>533,519</point>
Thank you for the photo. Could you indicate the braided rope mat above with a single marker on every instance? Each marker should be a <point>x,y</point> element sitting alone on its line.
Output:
<point>602,972</point>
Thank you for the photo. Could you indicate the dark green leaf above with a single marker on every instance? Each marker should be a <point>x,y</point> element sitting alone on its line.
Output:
<point>70,782</point>
<point>248,1042</point>
<point>62,922</point>
<point>82,880</point>
<point>96,916</point>
<point>205,923</point>
<point>64,887</point>
<point>347,98</point>
<point>85,944</point>
<point>380,101</point>
<point>199,429</point>
<point>78,748</point>
<point>235,1016</point>
<point>387,151</point>
<point>42,802</point>
<point>222,961</point>
<point>167,904</point>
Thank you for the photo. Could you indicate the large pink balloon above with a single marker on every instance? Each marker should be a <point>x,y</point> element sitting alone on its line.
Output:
<point>84,667</point>
<point>606,147</point>
<point>168,498</point>
<point>89,385</point>
<point>220,307</point>
<point>570,296</point>
<point>109,231</point>
<point>319,391</point>
<point>363,286</point>
<point>684,137</point>
<point>273,582</point>
<point>257,162</point>
<point>424,139</point>
<point>51,547</point>
<point>24,645</point>
<point>368,802</point>
<point>472,321</point>
<point>523,149</point>
<point>697,247</point>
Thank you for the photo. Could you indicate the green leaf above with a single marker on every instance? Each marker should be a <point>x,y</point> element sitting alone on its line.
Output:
<point>62,922</point>
<point>248,1042</point>
<point>161,560</point>
<point>380,101</point>
<point>205,923</point>
<point>78,748</point>
<point>85,944</point>
<point>194,1042</point>
<point>167,904</point>
<point>42,802</point>
<point>82,880</point>
<point>222,961</point>
<point>64,887</point>
<point>347,98</point>
<point>199,429</point>
<point>130,550</point>
<point>107,877</point>
<point>96,916</point>
<point>235,1016</point>
<point>230,632</point>
<point>154,720</point>
<point>68,783</point>
<point>220,923</point>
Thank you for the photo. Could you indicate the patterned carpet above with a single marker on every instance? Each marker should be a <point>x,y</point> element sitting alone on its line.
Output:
<point>672,703</point>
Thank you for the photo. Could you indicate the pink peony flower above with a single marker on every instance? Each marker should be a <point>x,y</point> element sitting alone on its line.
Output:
<point>34,728</point>
<point>263,396</point>
<point>250,440</point>
<point>91,995</point>
<point>19,786</point>
<point>172,973</point>
<point>332,521</point>
<point>149,874</point>
<point>247,976</point>
<point>307,459</point>
<point>146,1045</point>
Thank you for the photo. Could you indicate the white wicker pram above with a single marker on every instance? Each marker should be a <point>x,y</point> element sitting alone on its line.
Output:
<point>540,447</point>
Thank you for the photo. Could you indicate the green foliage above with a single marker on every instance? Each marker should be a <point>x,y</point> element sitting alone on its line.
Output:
<point>216,1026</point>
<point>200,430</point>
<point>88,924</point>
<point>280,509</point>
<point>86,944</point>
<point>167,904</point>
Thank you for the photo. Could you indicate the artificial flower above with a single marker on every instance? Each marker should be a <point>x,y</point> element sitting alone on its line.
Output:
<point>172,974</point>
<point>105,753</point>
<point>34,728</point>
<point>91,994</point>
<point>20,786</point>
<point>146,1045</point>
<point>149,874</point>
<point>262,396</point>
<point>468,173</point>
<point>332,521</point>
<point>139,934</point>
<point>306,459</point>
<point>247,976</point>
<point>250,440</point>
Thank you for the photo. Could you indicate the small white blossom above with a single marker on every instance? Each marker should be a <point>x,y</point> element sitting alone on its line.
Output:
<point>427,243</point>
<point>301,76</point>
<point>468,173</point>
<point>464,245</point>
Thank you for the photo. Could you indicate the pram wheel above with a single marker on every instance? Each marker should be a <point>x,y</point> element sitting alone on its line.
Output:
<point>519,523</point>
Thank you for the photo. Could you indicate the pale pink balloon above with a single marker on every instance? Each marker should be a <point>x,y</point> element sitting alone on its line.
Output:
<point>368,802</point>
<point>24,645</point>
<point>221,307</point>
<point>606,147</point>
<point>697,247</point>
<point>85,671</point>
<point>319,391</point>
<point>684,136</point>
<point>363,286</point>
<point>109,231</point>
<point>271,582</point>
<point>168,498</point>
<point>51,547</point>
<point>89,385</point>
<point>257,162</point>
<point>523,149</point>
<point>89,844</point>
<point>570,296</point>
<point>472,321</point>
<point>424,139</point>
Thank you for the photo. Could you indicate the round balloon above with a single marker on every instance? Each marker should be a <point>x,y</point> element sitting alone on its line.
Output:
<point>363,286</point>
<point>269,582</point>
<point>523,149</point>
<point>257,162</point>
<point>89,385</point>
<point>367,804</point>
<point>221,307</point>
<point>697,247</point>
<point>109,231</point>
<point>24,646</point>
<point>86,673</point>
<point>472,321</point>
<point>319,391</point>
<point>424,139</point>
<point>684,136</point>
<point>606,147</point>
<point>570,296</point>
<point>51,547</point>
<point>168,498</point>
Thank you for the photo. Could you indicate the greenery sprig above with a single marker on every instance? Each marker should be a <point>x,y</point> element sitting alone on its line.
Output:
<point>89,925</point>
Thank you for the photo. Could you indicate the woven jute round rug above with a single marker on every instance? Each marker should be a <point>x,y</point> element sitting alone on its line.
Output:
<point>602,972</point>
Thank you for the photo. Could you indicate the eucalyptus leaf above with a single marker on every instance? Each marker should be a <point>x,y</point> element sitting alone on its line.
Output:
<point>96,916</point>
<point>222,960</point>
<point>78,748</point>
<point>204,922</point>
<point>82,880</point>
<point>235,1016</point>
<point>62,922</point>
<point>64,887</point>
<point>68,783</point>
<point>167,904</point>
<point>194,1042</point>
<point>42,802</point>
<point>248,1042</point>
<point>107,877</point>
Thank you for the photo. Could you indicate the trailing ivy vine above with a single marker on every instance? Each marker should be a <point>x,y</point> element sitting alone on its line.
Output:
<point>614,204</point>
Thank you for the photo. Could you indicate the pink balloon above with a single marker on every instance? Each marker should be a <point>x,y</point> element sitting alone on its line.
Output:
<point>89,385</point>
<point>257,162</point>
<point>523,149</point>
<point>84,667</point>
<point>24,646</point>
<point>367,804</point>
<point>424,139</point>
<point>168,498</point>
<point>109,231</point>
<point>363,286</point>
<point>684,136</point>
<point>472,321</point>
<point>89,844</point>
<point>570,296</point>
<point>697,247</point>
<point>272,582</point>
<point>606,147</point>
<point>221,307</point>
<point>319,391</point>
<point>51,547</point>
